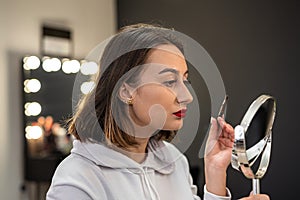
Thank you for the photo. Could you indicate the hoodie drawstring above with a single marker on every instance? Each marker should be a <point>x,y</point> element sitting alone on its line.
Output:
<point>152,190</point>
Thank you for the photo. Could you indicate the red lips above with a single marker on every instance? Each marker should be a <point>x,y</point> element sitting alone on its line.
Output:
<point>181,113</point>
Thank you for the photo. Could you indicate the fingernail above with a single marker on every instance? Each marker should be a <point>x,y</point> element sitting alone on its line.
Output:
<point>221,121</point>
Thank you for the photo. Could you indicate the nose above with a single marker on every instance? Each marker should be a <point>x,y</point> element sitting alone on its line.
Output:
<point>183,95</point>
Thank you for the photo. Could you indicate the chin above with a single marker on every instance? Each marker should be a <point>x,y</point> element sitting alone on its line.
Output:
<point>174,126</point>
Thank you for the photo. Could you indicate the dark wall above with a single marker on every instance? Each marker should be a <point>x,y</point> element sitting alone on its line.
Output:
<point>256,46</point>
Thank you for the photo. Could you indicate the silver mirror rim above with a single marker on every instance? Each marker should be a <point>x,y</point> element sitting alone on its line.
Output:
<point>241,157</point>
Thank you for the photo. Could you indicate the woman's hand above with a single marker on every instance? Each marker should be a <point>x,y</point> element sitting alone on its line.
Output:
<point>218,155</point>
<point>219,144</point>
<point>257,197</point>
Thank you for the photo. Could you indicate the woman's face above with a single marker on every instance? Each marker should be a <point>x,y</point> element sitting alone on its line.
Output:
<point>160,100</point>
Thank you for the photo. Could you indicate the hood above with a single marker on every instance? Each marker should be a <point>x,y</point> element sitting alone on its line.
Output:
<point>161,156</point>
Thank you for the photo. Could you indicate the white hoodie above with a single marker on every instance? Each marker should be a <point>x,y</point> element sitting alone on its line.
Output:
<point>95,171</point>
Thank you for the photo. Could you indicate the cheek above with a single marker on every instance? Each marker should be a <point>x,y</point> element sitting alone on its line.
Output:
<point>153,102</point>
<point>156,95</point>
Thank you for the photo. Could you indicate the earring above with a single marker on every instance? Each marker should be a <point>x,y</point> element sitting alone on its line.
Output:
<point>130,101</point>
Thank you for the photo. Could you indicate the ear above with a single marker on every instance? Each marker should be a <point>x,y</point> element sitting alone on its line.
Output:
<point>125,92</point>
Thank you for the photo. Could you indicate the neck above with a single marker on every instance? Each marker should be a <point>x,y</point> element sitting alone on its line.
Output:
<point>138,153</point>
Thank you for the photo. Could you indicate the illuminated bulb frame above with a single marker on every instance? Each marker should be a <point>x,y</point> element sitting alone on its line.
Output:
<point>39,63</point>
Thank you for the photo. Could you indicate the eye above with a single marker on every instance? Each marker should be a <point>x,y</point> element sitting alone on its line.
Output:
<point>170,83</point>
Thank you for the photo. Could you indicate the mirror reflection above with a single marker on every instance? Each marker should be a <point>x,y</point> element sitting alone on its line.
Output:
<point>47,99</point>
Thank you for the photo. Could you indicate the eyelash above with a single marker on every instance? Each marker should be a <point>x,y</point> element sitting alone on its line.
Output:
<point>172,82</point>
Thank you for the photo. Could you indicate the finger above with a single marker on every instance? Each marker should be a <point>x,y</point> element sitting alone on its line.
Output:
<point>257,197</point>
<point>228,132</point>
<point>262,197</point>
<point>214,125</point>
<point>212,136</point>
<point>213,131</point>
<point>226,142</point>
<point>229,129</point>
<point>225,134</point>
<point>221,122</point>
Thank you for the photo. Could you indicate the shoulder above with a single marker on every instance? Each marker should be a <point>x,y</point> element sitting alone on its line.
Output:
<point>76,175</point>
<point>75,167</point>
<point>77,171</point>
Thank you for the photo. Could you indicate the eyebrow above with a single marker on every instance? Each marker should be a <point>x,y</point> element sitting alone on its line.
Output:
<point>174,71</point>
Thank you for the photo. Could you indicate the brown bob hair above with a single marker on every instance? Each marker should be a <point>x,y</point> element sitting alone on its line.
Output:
<point>126,50</point>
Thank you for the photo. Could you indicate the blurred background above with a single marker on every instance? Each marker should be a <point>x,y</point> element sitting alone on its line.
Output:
<point>255,45</point>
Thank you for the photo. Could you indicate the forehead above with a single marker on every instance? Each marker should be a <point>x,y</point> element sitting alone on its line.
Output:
<point>165,56</point>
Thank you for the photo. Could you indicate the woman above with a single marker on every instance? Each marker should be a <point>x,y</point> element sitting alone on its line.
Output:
<point>123,125</point>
